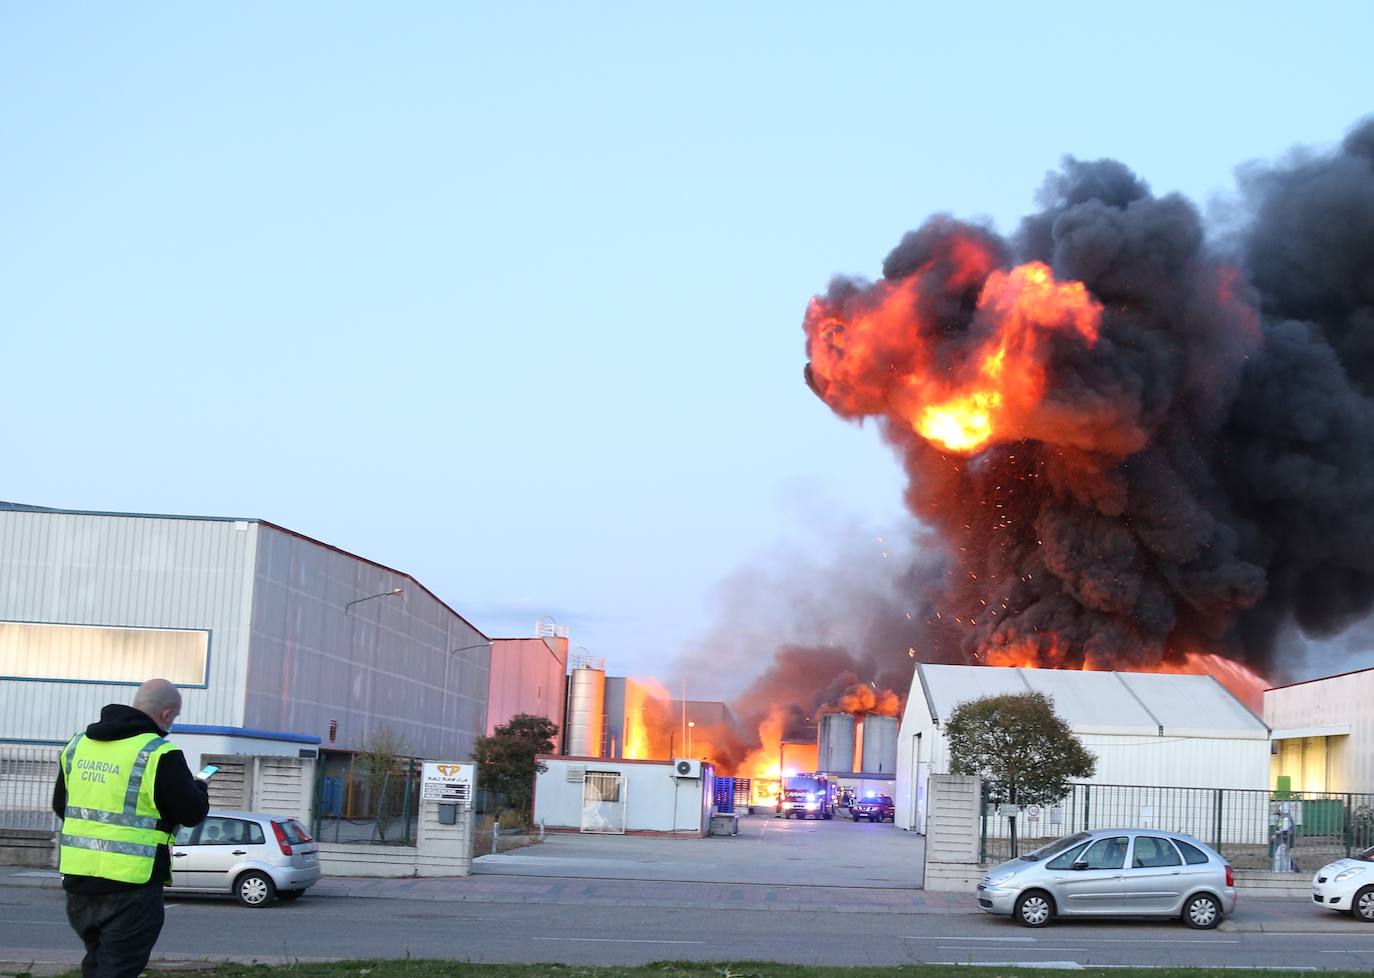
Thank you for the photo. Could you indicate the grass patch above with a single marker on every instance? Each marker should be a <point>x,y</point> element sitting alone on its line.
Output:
<point>688,969</point>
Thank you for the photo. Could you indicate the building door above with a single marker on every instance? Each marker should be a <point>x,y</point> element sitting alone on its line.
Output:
<point>603,802</point>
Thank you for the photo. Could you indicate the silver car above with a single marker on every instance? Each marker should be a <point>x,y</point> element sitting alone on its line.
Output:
<point>255,856</point>
<point>1113,872</point>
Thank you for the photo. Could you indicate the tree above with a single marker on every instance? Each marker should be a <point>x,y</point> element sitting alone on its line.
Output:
<point>506,760</point>
<point>1019,746</point>
<point>381,763</point>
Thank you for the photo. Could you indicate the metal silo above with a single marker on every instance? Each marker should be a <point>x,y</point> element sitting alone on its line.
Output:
<point>835,743</point>
<point>880,745</point>
<point>586,707</point>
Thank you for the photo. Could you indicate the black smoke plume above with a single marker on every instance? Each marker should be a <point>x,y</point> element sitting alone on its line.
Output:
<point>1199,478</point>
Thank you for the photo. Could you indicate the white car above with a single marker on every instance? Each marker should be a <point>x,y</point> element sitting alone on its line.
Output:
<point>254,856</point>
<point>1347,885</point>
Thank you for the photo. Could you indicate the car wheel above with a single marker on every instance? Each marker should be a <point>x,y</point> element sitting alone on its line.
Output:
<point>1034,908</point>
<point>854,817</point>
<point>289,895</point>
<point>1363,904</point>
<point>1202,912</point>
<point>255,889</point>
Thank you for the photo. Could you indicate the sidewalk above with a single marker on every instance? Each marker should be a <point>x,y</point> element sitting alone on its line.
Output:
<point>1263,915</point>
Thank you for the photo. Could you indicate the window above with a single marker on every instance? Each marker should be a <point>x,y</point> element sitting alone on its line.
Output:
<point>1058,845</point>
<point>1151,851</point>
<point>1107,853</point>
<point>1192,855</point>
<point>184,834</point>
<point>219,831</point>
<point>102,654</point>
<point>1067,859</point>
<point>602,786</point>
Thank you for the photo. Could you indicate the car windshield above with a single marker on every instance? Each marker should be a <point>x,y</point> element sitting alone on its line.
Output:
<point>1057,846</point>
<point>1366,856</point>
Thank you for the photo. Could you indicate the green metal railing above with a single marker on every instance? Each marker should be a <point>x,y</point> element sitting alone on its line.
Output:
<point>1242,825</point>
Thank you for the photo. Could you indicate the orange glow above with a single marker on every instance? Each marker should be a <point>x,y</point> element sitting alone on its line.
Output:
<point>1241,682</point>
<point>1025,304</point>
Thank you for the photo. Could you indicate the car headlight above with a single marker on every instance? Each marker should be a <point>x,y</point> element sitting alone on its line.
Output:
<point>1348,873</point>
<point>1001,878</point>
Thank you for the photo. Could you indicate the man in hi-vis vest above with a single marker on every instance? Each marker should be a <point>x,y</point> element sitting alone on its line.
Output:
<point>122,789</point>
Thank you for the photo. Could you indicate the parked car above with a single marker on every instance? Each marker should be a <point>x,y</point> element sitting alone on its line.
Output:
<point>254,856</point>
<point>875,808</point>
<point>1347,885</point>
<point>1113,872</point>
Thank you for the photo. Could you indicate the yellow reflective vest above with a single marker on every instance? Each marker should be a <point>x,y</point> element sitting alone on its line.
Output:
<point>110,829</point>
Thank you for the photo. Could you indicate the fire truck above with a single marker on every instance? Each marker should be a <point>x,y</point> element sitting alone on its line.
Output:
<point>806,796</point>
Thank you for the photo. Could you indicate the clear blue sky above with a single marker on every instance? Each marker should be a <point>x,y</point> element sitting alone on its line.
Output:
<point>509,295</point>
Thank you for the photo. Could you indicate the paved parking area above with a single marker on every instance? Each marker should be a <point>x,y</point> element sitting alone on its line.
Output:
<point>767,850</point>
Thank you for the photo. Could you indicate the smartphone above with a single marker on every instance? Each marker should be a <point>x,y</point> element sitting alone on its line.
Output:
<point>208,772</point>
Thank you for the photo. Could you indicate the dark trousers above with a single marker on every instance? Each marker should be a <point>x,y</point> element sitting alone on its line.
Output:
<point>118,929</point>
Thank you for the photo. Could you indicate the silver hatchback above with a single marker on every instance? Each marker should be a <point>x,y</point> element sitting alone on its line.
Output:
<point>1113,872</point>
<point>255,856</point>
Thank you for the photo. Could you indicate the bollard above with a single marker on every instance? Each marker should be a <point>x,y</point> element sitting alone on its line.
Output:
<point>495,832</point>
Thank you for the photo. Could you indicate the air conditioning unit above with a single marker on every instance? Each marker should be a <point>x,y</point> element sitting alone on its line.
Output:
<point>684,767</point>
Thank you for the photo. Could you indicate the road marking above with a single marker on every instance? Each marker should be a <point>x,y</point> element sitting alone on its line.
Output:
<point>1057,965</point>
<point>611,940</point>
<point>1084,940</point>
<point>1036,950</point>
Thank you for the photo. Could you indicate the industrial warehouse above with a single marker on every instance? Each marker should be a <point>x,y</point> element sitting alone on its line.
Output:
<point>290,654</point>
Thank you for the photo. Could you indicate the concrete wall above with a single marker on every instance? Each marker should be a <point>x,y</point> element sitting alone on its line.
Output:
<point>952,833</point>
<point>439,850</point>
<point>654,801</point>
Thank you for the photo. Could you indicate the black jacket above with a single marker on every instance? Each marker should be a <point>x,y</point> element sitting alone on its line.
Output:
<point>180,798</point>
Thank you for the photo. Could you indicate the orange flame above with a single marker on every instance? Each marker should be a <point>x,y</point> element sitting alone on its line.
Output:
<point>1025,304</point>
<point>1242,683</point>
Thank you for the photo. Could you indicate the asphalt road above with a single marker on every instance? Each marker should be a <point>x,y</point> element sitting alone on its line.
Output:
<point>33,929</point>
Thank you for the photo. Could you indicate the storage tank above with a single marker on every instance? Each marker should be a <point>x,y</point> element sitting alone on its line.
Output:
<point>880,745</point>
<point>586,707</point>
<point>835,743</point>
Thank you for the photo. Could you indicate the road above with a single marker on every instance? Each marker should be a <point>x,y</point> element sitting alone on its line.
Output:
<point>490,928</point>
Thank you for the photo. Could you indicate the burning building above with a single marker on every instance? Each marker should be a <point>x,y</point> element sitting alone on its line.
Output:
<point>1144,728</point>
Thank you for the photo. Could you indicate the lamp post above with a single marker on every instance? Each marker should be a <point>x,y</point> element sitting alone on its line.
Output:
<point>690,725</point>
<point>382,594</point>
<point>449,661</point>
<point>352,637</point>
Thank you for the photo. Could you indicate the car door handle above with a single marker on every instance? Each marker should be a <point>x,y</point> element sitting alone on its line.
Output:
<point>239,852</point>
<point>178,855</point>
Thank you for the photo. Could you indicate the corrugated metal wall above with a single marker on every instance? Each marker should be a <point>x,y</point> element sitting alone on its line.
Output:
<point>385,661</point>
<point>133,571</point>
<point>527,677</point>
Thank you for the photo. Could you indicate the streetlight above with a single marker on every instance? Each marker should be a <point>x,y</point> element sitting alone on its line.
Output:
<point>383,594</point>
<point>448,661</point>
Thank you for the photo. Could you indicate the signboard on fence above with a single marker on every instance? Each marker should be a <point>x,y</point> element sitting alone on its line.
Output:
<point>448,783</point>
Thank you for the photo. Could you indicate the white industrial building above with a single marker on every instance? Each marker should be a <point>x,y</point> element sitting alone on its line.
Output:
<point>1150,729</point>
<point>280,644</point>
<point>1323,733</point>
<point>617,796</point>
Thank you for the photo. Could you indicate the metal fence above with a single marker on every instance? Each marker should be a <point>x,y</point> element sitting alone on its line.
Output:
<point>350,807</point>
<point>26,781</point>
<point>1243,825</point>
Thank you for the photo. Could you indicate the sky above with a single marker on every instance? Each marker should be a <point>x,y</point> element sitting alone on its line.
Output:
<point>509,296</point>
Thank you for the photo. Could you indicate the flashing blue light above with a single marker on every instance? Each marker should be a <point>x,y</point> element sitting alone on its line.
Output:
<point>870,794</point>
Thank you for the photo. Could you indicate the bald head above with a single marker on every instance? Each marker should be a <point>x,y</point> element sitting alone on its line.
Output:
<point>160,700</point>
